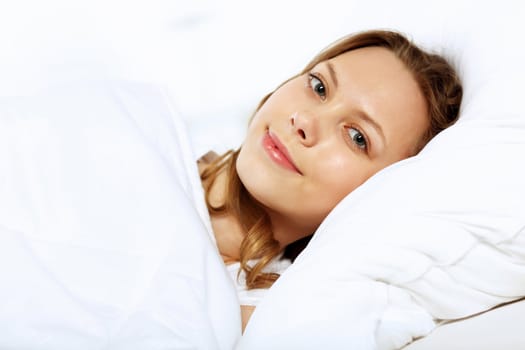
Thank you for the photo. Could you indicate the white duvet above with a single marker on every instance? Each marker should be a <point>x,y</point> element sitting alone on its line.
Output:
<point>104,238</point>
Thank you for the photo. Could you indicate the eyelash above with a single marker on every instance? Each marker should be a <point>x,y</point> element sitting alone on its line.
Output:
<point>350,139</point>
<point>312,76</point>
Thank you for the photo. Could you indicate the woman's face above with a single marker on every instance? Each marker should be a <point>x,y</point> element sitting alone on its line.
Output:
<point>322,134</point>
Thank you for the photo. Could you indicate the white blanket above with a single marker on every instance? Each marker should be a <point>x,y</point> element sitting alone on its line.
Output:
<point>104,237</point>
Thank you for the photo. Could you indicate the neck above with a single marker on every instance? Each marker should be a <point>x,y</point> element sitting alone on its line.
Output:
<point>286,230</point>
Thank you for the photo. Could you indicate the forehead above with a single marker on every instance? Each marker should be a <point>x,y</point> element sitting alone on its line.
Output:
<point>373,68</point>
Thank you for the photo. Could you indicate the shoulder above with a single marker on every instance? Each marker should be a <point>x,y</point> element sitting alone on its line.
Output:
<point>206,159</point>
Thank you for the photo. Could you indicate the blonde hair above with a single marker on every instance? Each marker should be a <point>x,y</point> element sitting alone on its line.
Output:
<point>441,88</point>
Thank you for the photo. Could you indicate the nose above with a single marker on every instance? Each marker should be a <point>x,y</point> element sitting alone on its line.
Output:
<point>305,126</point>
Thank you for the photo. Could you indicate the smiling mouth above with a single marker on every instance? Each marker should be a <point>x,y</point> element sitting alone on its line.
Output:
<point>278,152</point>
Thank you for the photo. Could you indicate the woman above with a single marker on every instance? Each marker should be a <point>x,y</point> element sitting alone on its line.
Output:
<point>363,103</point>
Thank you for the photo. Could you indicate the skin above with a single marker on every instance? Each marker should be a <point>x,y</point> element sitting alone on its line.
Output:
<point>350,117</point>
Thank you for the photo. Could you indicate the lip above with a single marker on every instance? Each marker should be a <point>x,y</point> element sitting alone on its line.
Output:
<point>278,152</point>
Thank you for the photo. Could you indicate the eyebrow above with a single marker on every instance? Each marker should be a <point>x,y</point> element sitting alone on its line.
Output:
<point>362,114</point>
<point>331,71</point>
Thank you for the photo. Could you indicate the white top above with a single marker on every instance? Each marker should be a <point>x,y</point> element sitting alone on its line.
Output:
<point>253,296</point>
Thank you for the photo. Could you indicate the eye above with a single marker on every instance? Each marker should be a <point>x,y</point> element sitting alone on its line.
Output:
<point>358,138</point>
<point>317,86</point>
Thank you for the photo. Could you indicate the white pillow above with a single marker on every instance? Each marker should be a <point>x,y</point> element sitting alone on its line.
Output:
<point>438,236</point>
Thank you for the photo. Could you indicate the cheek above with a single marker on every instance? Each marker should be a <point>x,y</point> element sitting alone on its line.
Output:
<point>340,174</point>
